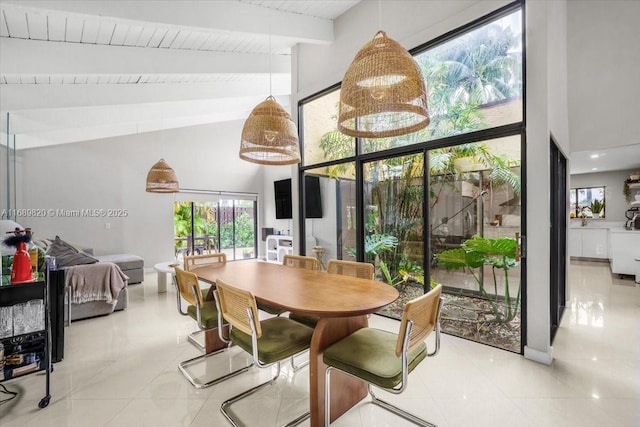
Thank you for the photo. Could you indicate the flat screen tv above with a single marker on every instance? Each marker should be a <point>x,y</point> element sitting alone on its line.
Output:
<point>313,205</point>
<point>282,190</point>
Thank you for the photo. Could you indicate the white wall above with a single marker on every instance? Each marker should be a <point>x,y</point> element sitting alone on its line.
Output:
<point>111,174</point>
<point>603,59</point>
<point>615,202</point>
<point>546,114</point>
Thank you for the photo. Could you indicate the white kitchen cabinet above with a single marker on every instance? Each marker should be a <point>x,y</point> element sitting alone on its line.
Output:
<point>625,248</point>
<point>588,242</point>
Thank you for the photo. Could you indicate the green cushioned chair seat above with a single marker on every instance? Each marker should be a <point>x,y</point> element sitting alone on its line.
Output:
<point>209,314</point>
<point>281,338</point>
<point>305,320</point>
<point>370,354</point>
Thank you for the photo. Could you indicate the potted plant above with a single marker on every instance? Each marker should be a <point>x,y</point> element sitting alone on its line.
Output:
<point>597,208</point>
<point>500,254</point>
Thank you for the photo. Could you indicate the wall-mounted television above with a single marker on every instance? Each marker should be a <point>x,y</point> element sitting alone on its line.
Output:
<point>313,205</point>
<point>282,191</point>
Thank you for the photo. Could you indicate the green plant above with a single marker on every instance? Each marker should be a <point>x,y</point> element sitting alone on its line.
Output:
<point>626,191</point>
<point>597,206</point>
<point>500,254</point>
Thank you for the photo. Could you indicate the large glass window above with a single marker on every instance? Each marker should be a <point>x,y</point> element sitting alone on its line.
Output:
<point>220,225</point>
<point>415,205</point>
<point>586,202</point>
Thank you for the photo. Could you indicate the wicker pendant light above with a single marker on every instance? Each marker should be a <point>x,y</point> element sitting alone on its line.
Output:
<point>269,136</point>
<point>383,93</point>
<point>162,179</point>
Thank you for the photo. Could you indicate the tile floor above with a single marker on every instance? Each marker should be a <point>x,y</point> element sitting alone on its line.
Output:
<point>121,370</point>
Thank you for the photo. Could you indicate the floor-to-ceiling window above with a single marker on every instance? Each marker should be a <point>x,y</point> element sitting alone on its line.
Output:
<point>444,204</point>
<point>207,222</point>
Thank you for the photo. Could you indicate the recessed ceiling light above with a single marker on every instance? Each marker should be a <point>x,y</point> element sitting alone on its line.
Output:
<point>595,156</point>
<point>594,169</point>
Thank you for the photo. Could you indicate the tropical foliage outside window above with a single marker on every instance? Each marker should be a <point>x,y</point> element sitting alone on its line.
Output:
<point>474,82</point>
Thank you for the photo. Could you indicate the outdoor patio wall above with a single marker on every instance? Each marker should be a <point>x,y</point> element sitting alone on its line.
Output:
<point>414,22</point>
<point>111,174</point>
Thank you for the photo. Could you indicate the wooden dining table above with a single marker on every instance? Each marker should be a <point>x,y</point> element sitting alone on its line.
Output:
<point>341,302</point>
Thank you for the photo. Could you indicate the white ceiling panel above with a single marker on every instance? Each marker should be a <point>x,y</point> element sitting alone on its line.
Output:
<point>37,23</point>
<point>127,55</point>
<point>119,34</point>
<point>105,32</point>
<point>133,35</point>
<point>145,36</point>
<point>16,22</point>
<point>4,31</point>
<point>90,31</point>
<point>74,28</point>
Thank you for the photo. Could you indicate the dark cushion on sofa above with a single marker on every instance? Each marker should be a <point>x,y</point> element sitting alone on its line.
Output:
<point>66,255</point>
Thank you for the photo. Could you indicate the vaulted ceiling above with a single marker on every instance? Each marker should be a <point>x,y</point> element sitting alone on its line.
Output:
<point>80,70</point>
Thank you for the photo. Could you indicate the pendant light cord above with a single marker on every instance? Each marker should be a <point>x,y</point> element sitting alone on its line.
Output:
<point>270,76</point>
<point>379,14</point>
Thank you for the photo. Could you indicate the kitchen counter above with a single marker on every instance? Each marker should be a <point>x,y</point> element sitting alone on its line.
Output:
<point>623,230</point>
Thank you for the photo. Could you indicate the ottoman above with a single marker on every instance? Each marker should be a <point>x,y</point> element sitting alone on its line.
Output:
<point>131,265</point>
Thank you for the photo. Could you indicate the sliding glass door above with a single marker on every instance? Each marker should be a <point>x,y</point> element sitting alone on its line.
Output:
<point>221,225</point>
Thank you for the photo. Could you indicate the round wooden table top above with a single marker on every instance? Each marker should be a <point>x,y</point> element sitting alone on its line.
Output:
<point>307,292</point>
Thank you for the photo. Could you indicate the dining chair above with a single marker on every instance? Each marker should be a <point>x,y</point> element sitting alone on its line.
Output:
<point>300,261</point>
<point>196,261</point>
<point>269,341</point>
<point>308,263</point>
<point>201,260</point>
<point>205,314</point>
<point>363,270</point>
<point>385,359</point>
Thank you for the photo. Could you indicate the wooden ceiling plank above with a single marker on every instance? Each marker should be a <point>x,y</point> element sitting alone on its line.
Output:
<point>168,38</point>
<point>105,32</point>
<point>133,35</point>
<point>4,31</point>
<point>119,34</point>
<point>56,24</point>
<point>178,41</point>
<point>157,37</point>
<point>145,36</point>
<point>73,33</point>
<point>37,23</point>
<point>17,23</point>
<point>90,31</point>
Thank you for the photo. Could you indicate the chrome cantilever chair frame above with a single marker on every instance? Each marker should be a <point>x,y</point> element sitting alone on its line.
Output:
<point>396,390</point>
<point>192,336</point>
<point>182,366</point>
<point>256,361</point>
<point>192,261</point>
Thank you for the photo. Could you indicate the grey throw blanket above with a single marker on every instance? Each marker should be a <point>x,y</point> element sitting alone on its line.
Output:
<point>102,281</point>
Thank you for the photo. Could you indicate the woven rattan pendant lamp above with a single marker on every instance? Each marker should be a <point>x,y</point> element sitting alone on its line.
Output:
<point>162,179</point>
<point>383,93</point>
<point>269,135</point>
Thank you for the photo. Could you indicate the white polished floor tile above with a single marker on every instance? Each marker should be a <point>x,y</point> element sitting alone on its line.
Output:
<point>122,370</point>
<point>157,413</point>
